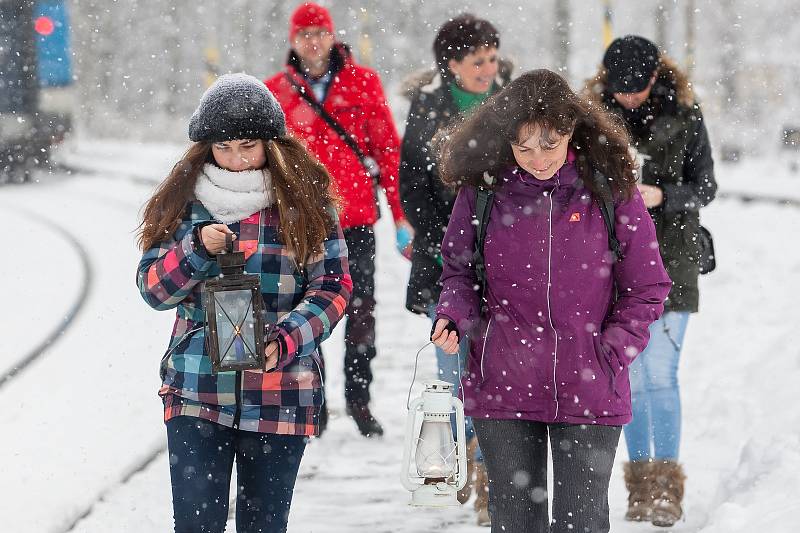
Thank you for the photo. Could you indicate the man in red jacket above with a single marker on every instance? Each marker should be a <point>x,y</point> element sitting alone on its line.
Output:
<point>323,70</point>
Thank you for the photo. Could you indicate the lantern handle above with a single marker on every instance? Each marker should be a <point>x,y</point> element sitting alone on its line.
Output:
<point>414,377</point>
<point>229,243</point>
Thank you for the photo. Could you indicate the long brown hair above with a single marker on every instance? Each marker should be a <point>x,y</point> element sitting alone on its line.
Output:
<point>302,191</point>
<point>480,145</point>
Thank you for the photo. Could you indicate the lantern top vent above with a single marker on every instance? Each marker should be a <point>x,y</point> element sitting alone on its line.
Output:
<point>438,386</point>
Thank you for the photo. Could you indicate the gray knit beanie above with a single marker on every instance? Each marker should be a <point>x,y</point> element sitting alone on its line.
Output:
<point>237,106</point>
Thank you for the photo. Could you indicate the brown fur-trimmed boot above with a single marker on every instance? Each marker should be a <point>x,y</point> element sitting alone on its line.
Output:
<point>482,495</point>
<point>668,480</point>
<point>466,492</point>
<point>639,481</point>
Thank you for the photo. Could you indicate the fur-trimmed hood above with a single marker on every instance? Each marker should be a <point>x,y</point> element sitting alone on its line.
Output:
<point>668,72</point>
<point>428,80</point>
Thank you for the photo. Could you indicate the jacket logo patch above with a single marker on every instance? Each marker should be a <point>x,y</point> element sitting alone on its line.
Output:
<point>575,217</point>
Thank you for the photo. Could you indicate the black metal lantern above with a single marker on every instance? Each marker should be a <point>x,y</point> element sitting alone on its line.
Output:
<point>234,315</point>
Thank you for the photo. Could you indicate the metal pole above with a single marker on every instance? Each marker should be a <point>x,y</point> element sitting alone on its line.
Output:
<point>663,17</point>
<point>364,41</point>
<point>690,37</point>
<point>562,37</point>
<point>608,28</point>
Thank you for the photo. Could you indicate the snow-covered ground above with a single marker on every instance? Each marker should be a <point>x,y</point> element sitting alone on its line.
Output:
<point>86,414</point>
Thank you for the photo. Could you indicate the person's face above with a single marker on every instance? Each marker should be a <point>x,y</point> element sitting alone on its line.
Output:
<point>313,44</point>
<point>245,154</point>
<point>540,151</point>
<point>634,100</point>
<point>476,72</point>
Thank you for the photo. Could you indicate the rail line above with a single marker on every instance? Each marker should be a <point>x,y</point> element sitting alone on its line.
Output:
<point>74,310</point>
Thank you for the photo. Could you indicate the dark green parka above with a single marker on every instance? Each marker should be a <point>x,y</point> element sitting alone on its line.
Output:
<point>669,132</point>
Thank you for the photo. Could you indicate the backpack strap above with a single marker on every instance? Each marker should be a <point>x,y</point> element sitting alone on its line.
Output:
<point>367,162</point>
<point>483,206</point>
<point>606,203</point>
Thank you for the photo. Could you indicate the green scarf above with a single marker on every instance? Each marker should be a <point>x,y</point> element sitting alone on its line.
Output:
<point>465,100</point>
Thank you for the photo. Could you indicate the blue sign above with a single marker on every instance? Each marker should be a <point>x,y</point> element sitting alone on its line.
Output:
<point>51,28</point>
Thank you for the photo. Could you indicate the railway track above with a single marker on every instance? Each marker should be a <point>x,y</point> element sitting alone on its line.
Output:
<point>87,279</point>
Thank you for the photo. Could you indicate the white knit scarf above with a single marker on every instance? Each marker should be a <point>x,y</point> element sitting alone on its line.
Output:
<point>233,196</point>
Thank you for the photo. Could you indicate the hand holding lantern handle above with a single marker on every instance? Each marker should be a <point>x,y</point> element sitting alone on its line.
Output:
<point>215,236</point>
<point>445,336</point>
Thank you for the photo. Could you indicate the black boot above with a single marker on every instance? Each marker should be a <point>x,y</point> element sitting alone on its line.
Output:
<point>367,425</point>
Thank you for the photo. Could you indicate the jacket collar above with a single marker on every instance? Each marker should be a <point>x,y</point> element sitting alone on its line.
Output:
<point>430,80</point>
<point>438,81</point>
<point>340,59</point>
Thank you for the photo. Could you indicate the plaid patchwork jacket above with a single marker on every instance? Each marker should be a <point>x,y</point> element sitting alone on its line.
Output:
<point>303,308</point>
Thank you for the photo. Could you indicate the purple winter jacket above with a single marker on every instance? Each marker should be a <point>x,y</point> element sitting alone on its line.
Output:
<point>554,346</point>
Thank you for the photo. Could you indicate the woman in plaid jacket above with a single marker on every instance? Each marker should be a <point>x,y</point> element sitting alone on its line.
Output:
<point>243,177</point>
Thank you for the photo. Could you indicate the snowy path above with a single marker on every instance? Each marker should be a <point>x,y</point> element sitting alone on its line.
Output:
<point>27,285</point>
<point>81,414</point>
<point>77,420</point>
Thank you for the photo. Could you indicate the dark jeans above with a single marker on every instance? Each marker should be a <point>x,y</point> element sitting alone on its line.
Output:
<point>359,331</point>
<point>515,455</point>
<point>201,455</point>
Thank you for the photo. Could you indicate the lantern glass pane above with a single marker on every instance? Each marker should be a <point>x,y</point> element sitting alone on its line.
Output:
<point>235,326</point>
<point>436,451</point>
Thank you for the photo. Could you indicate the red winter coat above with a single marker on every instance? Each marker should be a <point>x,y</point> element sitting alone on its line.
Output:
<point>355,99</point>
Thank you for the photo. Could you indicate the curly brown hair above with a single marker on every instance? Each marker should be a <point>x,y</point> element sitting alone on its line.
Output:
<point>302,190</point>
<point>480,146</point>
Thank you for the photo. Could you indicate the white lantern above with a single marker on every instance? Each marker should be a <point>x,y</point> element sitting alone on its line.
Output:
<point>439,461</point>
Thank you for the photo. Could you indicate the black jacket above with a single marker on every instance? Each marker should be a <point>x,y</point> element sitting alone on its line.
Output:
<point>427,202</point>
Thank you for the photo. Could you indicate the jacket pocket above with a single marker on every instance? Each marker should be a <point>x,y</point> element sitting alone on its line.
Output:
<point>296,385</point>
<point>603,355</point>
<point>680,248</point>
<point>186,337</point>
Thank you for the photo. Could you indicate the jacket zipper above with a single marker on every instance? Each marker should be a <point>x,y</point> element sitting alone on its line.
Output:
<point>483,349</point>
<point>549,282</point>
<point>321,379</point>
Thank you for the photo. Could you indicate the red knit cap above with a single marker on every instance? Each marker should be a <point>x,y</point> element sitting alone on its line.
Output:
<point>307,15</point>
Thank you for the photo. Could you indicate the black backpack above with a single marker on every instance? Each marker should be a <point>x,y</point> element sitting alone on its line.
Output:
<point>483,206</point>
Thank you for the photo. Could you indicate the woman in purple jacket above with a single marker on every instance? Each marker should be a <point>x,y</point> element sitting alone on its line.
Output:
<point>562,316</point>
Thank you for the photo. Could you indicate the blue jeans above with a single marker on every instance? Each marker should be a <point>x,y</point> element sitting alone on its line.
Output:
<point>655,431</point>
<point>448,371</point>
<point>201,456</point>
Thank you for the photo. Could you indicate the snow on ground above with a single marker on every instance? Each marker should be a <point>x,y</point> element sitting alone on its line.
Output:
<point>777,175</point>
<point>85,414</point>
<point>28,262</point>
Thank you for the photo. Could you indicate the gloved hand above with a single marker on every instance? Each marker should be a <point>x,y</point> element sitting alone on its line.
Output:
<point>405,238</point>
<point>445,335</point>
